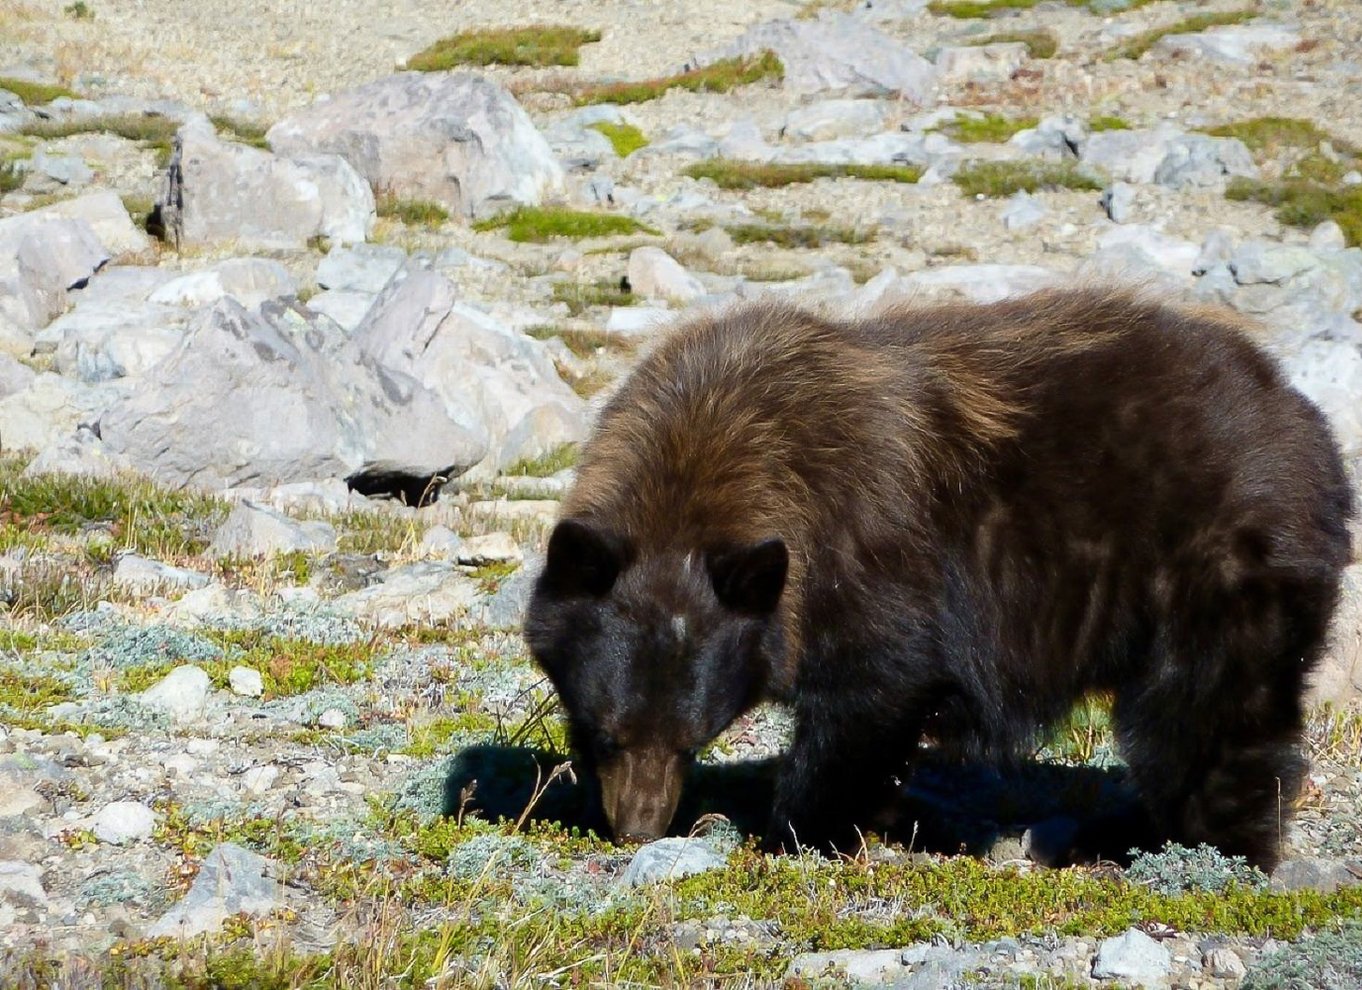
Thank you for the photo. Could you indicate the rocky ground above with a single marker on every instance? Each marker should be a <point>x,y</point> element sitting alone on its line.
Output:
<point>261,726</point>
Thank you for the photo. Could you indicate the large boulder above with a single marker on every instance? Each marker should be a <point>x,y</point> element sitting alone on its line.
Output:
<point>50,408</point>
<point>108,218</point>
<point>491,378</point>
<point>457,139</point>
<point>42,256</point>
<point>279,396</point>
<point>222,191</point>
<point>839,52</point>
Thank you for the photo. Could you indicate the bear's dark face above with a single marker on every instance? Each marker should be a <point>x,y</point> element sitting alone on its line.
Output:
<point>652,657</point>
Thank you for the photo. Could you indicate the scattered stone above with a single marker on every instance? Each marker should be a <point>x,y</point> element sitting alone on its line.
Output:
<point>1328,236</point>
<point>1022,211</point>
<point>455,138</point>
<point>1313,873</point>
<point>332,718</point>
<point>1132,956</point>
<point>505,609</point>
<point>655,274</point>
<point>1199,161</point>
<point>1223,964</point>
<point>1231,44</point>
<point>124,822</point>
<point>21,885</point>
<point>254,530</point>
<point>182,694</point>
<point>250,281</point>
<point>223,191</point>
<point>827,120</point>
<point>861,966</point>
<point>671,859</point>
<point>637,321</point>
<point>363,268</point>
<point>427,591</point>
<point>491,548</point>
<point>258,780</point>
<point>441,541</point>
<point>1118,200</point>
<point>231,881</point>
<point>839,52</point>
<point>980,63</point>
<point>134,571</point>
<point>246,681</point>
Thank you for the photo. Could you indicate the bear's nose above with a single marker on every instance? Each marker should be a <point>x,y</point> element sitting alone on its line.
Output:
<point>640,788</point>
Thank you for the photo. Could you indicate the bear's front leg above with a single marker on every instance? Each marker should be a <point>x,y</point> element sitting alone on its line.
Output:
<point>837,776</point>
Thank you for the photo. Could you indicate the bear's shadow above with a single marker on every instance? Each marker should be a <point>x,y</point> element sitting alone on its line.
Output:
<point>946,807</point>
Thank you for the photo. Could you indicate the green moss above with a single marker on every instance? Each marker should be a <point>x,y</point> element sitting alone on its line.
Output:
<point>365,531</point>
<point>412,212</point>
<point>1005,178</point>
<point>1273,133</point>
<point>1142,42</point>
<point>580,296</point>
<point>624,138</point>
<point>797,236</point>
<point>732,174</point>
<point>33,93</point>
<point>196,834</point>
<point>241,130</point>
<point>1301,203</point>
<point>559,458</point>
<point>586,343</point>
<point>11,176</point>
<point>1039,43</point>
<point>29,692</point>
<point>991,127</point>
<point>287,666</point>
<point>430,738</point>
<point>542,44</point>
<point>717,77</point>
<point>543,223</point>
<point>143,516</point>
<point>1107,122</point>
<point>150,130</point>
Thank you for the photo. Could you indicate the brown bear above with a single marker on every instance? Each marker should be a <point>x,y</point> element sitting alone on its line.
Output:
<point>956,519</point>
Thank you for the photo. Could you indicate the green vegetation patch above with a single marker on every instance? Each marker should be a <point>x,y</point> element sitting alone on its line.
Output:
<point>34,93</point>
<point>558,459</point>
<point>412,212</point>
<point>624,138</point>
<point>241,130</point>
<point>991,127</point>
<point>30,692</point>
<point>1145,40</point>
<point>142,515</point>
<point>580,296</point>
<point>799,235</point>
<point>1331,958</point>
<point>586,343</point>
<point>1039,43</point>
<point>11,176</point>
<point>1107,122</point>
<point>542,44</point>
<point>717,77</point>
<point>1303,203</point>
<point>732,174</point>
<point>543,223</point>
<point>966,9</point>
<point>1005,178</point>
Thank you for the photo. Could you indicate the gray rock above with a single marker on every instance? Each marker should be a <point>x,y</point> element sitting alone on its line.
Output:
<point>1328,236</point>
<point>1223,964</point>
<point>861,966</point>
<point>839,52</point>
<point>360,268</point>
<point>655,274</point>
<point>101,341</point>
<point>1138,248</point>
<point>250,281</point>
<point>220,191</point>
<point>1314,873</point>
<point>81,453</point>
<point>124,822</point>
<point>1129,156</point>
<point>1216,249</point>
<point>1232,44</point>
<point>345,308</point>
<point>14,376</point>
<point>50,409</point>
<point>423,592</point>
<point>498,385</point>
<point>332,718</point>
<point>1134,957</point>
<point>181,694</point>
<point>1262,261</point>
<point>140,573</point>
<point>637,321</point>
<point>976,283</point>
<point>1199,162</point>
<point>671,859</point>
<point>1338,678</point>
<point>66,170</point>
<point>21,885</point>
<point>490,548</point>
<point>505,609</point>
<point>1056,136</point>
<point>1118,199</point>
<point>442,542</point>
<point>827,120</point>
<point>41,257</point>
<point>246,681</point>
<point>211,412</point>
<point>1022,211</point>
<point>980,63</point>
<point>254,530</point>
<point>455,138</point>
<point>107,217</point>
<point>231,881</point>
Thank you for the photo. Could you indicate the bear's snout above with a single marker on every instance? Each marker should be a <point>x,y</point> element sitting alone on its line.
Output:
<point>640,789</point>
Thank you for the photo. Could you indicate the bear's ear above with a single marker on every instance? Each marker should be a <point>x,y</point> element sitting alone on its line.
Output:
<point>583,559</point>
<point>750,579</point>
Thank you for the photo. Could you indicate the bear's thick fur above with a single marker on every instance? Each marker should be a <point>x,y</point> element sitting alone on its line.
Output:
<point>955,520</point>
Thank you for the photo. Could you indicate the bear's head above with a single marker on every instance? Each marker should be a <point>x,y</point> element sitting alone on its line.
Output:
<point>653,654</point>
